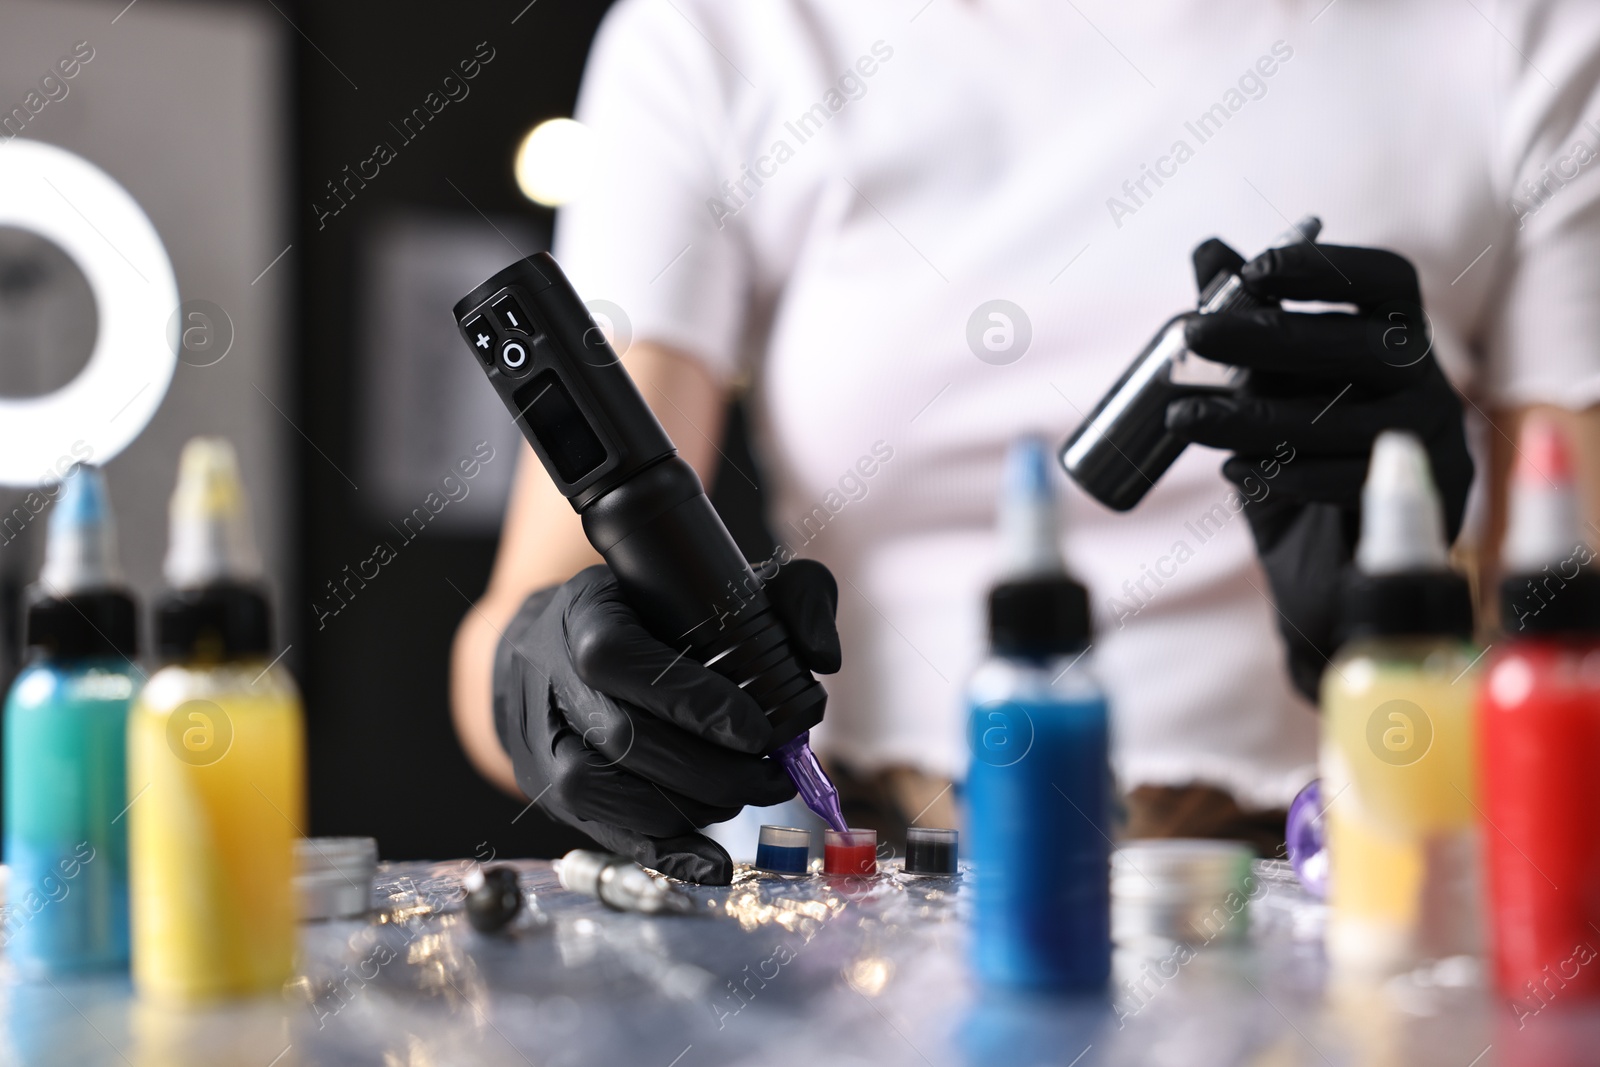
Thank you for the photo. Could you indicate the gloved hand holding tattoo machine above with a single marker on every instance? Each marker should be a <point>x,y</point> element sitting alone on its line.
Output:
<point>636,699</point>
<point>1301,396</point>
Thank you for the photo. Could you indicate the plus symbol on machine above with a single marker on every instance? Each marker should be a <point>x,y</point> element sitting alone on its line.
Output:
<point>483,340</point>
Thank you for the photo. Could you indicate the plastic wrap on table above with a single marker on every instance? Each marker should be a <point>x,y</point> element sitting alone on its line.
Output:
<point>775,971</point>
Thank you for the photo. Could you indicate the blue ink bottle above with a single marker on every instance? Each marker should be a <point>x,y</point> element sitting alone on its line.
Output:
<point>66,842</point>
<point>1039,786</point>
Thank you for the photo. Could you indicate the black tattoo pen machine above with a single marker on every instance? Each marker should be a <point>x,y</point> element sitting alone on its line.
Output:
<point>643,506</point>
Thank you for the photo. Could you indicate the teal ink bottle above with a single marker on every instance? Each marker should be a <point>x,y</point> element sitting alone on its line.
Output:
<point>65,839</point>
<point>1039,785</point>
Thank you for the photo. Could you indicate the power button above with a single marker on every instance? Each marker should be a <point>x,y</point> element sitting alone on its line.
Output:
<point>514,355</point>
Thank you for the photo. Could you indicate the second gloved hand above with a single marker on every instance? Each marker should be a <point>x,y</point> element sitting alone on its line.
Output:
<point>622,736</point>
<point>1320,389</point>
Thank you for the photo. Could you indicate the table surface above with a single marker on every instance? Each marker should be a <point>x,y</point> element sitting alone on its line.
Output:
<point>826,972</point>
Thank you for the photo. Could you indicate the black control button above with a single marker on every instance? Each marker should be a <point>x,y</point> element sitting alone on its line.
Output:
<point>514,353</point>
<point>480,335</point>
<point>511,315</point>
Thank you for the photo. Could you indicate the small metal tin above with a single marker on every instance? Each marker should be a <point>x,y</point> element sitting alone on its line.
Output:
<point>333,876</point>
<point>1180,890</point>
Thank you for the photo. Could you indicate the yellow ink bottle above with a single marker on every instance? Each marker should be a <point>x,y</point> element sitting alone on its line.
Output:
<point>1398,756</point>
<point>215,760</point>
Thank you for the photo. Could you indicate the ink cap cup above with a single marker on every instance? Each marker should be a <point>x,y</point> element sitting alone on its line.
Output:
<point>783,850</point>
<point>930,850</point>
<point>333,876</point>
<point>850,852</point>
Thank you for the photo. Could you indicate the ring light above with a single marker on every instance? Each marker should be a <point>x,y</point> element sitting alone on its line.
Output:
<point>61,196</point>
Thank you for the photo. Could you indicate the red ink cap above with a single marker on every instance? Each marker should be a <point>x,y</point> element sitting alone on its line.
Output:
<point>850,852</point>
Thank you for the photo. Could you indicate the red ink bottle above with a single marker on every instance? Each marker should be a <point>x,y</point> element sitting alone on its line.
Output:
<point>1539,717</point>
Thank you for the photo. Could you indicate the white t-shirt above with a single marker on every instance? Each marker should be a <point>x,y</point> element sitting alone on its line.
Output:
<point>819,195</point>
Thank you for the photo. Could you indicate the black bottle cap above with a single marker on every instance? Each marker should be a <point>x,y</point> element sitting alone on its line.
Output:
<point>1038,617</point>
<point>494,898</point>
<point>1408,604</point>
<point>222,621</point>
<point>1547,603</point>
<point>104,622</point>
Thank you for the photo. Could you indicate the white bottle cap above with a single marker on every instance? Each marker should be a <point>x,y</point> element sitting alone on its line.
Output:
<point>1030,527</point>
<point>1546,521</point>
<point>1402,521</point>
<point>81,542</point>
<point>211,538</point>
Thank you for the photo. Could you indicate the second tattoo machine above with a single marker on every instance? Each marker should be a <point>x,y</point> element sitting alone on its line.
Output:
<point>643,506</point>
<point>1124,446</point>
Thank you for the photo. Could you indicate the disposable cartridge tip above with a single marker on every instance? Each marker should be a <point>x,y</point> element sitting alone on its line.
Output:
<point>81,540</point>
<point>1546,522</point>
<point>211,538</point>
<point>1030,528</point>
<point>1402,520</point>
<point>815,787</point>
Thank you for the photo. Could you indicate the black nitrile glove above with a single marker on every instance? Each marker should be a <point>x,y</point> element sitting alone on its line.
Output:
<point>1320,389</point>
<point>630,741</point>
